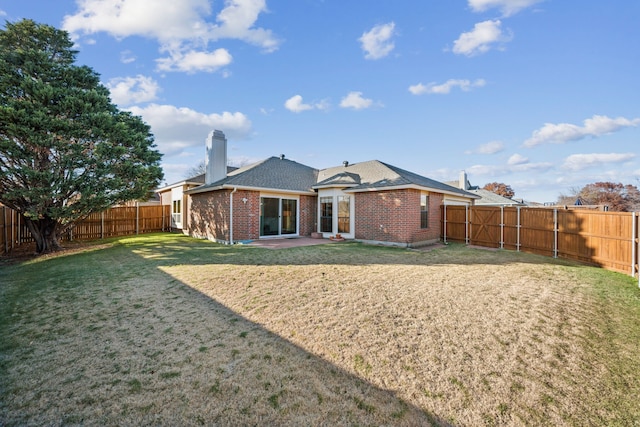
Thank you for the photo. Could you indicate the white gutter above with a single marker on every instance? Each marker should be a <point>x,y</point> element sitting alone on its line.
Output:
<point>231,215</point>
<point>248,188</point>
<point>462,193</point>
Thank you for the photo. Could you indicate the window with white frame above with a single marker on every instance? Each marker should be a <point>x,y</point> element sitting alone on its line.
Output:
<point>424,211</point>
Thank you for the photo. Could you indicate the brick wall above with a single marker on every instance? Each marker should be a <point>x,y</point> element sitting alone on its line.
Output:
<point>394,216</point>
<point>308,215</point>
<point>246,215</point>
<point>209,217</point>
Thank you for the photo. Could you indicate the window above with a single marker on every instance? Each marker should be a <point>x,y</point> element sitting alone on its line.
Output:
<point>176,213</point>
<point>424,211</point>
<point>176,206</point>
<point>344,214</point>
<point>326,214</point>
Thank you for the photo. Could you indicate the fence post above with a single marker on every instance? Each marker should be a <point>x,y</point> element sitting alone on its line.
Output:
<point>14,214</point>
<point>4,229</point>
<point>102,225</point>
<point>555,233</point>
<point>501,227</point>
<point>518,229</point>
<point>137,218</point>
<point>634,237</point>
<point>467,228</point>
<point>445,224</point>
<point>636,222</point>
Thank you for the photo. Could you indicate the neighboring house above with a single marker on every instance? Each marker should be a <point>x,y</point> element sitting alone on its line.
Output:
<point>486,197</point>
<point>174,196</point>
<point>371,201</point>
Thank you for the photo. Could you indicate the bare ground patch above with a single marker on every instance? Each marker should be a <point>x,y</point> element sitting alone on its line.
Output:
<point>175,333</point>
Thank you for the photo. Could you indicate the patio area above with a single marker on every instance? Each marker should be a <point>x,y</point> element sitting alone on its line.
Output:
<point>291,242</point>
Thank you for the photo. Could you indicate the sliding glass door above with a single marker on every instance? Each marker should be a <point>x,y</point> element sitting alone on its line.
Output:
<point>278,216</point>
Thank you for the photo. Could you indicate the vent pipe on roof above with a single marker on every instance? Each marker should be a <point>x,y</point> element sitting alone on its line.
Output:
<point>345,163</point>
<point>216,157</point>
<point>281,156</point>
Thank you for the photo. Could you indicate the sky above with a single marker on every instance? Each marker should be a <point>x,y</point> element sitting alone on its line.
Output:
<point>542,95</point>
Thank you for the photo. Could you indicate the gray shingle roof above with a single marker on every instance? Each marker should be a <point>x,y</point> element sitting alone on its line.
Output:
<point>375,174</point>
<point>489,198</point>
<point>272,173</point>
<point>281,174</point>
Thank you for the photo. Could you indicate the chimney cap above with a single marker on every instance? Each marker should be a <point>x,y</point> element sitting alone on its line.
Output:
<point>281,156</point>
<point>345,163</point>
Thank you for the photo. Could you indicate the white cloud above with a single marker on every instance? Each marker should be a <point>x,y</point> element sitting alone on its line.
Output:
<point>237,20</point>
<point>496,170</point>
<point>377,42</point>
<point>517,159</point>
<point>133,90</point>
<point>480,39</point>
<point>582,161</point>
<point>565,132</point>
<point>176,129</point>
<point>296,105</point>
<point>507,7</point>
<point>127,57</point>
<point>192,61</point>
<point>165,20</point>
<point>356,101</point>
<point>491,147</point>
<point>445,88</point>
<point>179,27</point>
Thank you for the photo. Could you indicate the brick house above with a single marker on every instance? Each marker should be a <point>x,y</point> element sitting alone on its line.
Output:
<point>371,201</point>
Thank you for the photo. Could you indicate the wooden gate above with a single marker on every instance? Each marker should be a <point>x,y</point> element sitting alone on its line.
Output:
<point>484,226</point>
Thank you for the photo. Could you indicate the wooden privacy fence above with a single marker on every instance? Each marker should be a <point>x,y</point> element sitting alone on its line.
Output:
<point>120,221</point>
<point>606,239</point>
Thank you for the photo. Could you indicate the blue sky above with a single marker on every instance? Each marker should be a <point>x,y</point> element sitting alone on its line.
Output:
<point>542,95</point>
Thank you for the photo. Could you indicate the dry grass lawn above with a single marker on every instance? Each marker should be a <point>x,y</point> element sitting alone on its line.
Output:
<point>167,330</point>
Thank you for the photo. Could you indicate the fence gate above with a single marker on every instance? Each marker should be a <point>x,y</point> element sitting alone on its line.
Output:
<point>485,226</point>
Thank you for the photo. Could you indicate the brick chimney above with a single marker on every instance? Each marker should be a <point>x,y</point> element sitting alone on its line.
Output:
<point>215,162</point>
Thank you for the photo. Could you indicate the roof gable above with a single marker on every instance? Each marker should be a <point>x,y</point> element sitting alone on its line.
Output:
<point>274,173</point>
<point>376,175</point>
<point>340,179</point>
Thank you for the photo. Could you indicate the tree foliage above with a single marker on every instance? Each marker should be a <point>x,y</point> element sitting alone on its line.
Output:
<point>617,196</point>
<point>65,150</point>
<point>196,170</point>
<point>500,188</point>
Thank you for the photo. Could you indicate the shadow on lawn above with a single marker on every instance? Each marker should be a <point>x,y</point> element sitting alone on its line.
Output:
<point>191,360</point>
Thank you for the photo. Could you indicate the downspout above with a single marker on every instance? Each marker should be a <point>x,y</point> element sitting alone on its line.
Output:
<point>231,215</point>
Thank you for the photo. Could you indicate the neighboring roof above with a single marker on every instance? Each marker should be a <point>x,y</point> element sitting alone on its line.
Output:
<point>274,173</point>
<point>489,198</point>
<point>376,175</point>
<point>195,181</point>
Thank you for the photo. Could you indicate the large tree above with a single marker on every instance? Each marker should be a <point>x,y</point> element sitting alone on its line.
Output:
<point>65,150</point>
<point>500,188</point>
<point>617,196</point>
